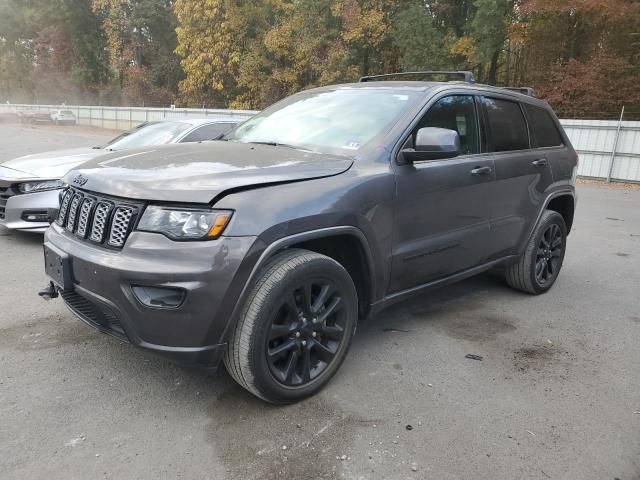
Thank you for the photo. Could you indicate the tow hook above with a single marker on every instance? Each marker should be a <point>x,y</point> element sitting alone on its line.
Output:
<point>49,292</point>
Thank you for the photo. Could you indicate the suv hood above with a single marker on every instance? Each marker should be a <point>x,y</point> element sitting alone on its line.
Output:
<point>198,173</point>
<point>47,165</point>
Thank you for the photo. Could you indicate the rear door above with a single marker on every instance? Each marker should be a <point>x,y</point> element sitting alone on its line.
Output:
<point>442,214</point>
<point>523,174</point>
<point>547,139</point>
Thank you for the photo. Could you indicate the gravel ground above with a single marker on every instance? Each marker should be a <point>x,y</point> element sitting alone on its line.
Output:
<point>556,395</point>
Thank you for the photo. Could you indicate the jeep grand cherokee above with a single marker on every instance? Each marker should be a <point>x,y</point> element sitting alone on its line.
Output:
<point>265,249</point>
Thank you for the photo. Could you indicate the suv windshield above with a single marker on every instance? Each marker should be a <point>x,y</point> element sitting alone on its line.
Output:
<point>336,121</point>
<point>157,133</point>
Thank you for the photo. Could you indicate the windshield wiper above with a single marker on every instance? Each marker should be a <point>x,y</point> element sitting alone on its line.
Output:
<point>278,144</point>
<point>274,144</point>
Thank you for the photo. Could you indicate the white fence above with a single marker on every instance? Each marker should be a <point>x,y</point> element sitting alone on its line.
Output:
<point>124,118</point>
<point>607,149</point>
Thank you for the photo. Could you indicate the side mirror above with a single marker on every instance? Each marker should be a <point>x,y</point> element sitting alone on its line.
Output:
<point>433,143</point>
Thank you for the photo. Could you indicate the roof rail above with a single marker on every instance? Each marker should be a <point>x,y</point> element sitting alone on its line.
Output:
<point>466,76</point>
<point>524,90</point>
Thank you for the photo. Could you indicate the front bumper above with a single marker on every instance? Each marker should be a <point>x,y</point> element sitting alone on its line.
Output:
<point>211,273</point>
<point>16,208</point>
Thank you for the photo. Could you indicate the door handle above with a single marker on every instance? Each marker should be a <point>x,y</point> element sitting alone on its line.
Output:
<point>481,171</point>
<point>542,162</point>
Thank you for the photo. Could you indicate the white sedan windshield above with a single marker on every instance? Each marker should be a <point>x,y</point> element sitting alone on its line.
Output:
<point>335,121</point>
<point>150,134</point>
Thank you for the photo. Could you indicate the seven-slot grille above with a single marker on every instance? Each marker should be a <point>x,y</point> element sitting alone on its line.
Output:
<point>99,220</point>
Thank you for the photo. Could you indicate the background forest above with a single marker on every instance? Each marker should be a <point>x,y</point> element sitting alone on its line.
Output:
<point>583,56</point>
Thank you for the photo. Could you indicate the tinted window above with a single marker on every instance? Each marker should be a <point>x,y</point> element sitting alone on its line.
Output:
<point>208,132</point>
<point>458,113</point>
<point>507,125</point>
<point>544,129</point>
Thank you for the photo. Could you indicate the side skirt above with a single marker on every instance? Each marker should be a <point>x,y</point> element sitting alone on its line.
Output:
<point>411,292</point>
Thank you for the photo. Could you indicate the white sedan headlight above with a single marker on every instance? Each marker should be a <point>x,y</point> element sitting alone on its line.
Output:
<point>185,224</point>
<point>31,187</point>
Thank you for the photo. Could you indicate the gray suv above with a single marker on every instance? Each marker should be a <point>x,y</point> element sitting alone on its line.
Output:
<point>264,249</point>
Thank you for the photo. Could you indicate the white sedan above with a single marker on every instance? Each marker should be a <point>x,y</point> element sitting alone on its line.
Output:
<point>29,186</point>
<point>63,116</point>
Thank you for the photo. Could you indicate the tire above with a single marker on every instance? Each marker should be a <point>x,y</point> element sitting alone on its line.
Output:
<point>277,320</point>
<point>538,267</point>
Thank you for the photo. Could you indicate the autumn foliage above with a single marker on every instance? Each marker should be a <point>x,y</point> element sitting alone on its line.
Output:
<point>581,55</point>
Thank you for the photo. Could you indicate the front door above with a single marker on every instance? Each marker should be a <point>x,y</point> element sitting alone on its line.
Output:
<point>442,211</point>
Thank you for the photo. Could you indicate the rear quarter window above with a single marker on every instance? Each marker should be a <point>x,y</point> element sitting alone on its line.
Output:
<point>507,126</point>
<point>543,128</point>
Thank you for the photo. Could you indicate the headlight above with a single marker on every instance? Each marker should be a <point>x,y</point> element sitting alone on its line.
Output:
<point>179,223</point>
<point>40,186</point>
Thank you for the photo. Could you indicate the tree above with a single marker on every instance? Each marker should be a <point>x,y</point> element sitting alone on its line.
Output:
<point>210,50</point>
<point>421,42</point>
<point>16,49</point>
<point>488,29</point>
<point>579,52</point>
<point>140,34</point>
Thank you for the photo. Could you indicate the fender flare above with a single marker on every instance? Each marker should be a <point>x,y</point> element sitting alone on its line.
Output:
<point>547,200</point>
<point>284,242</point>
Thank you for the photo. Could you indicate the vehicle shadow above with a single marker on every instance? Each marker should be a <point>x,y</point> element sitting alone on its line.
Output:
<point>438,306</point>
<point>26,238</point>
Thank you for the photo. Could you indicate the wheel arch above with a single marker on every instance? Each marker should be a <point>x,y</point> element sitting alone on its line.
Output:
<point>565,200</point>
<point>345,244</point>
<point>564,204</point>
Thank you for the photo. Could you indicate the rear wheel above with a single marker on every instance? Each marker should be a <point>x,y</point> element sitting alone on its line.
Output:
<point>295,328</point>
<point>539,266</point>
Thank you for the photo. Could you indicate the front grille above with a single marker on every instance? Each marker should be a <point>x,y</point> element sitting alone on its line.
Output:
<point>64,208</point>
<point>120,226</point>
<point>6,192</point>
<point>102,220</point>
<point>96,315</point>
<point>83,219</point>
<point>73,212</point>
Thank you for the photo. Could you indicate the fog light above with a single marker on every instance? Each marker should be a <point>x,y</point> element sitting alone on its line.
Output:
<point>35,216</point>
<point>159,297</point>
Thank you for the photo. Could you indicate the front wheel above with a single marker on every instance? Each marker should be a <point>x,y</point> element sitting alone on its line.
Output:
<point>539,266</point>
<point>295,328</point>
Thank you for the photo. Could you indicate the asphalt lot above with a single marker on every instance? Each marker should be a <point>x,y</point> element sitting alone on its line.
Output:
<point>557,394</point>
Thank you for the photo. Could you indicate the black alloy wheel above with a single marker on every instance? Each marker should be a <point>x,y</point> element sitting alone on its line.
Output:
<point>295,327</point>
<point>306,332</point>
<point>549,254</point>
<point>538,267</point>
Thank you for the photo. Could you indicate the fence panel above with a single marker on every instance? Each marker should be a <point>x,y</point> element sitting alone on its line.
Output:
<point>125,118</point>
<point>595,141</point>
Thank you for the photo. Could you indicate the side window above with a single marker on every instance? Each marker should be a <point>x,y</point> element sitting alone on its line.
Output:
<point>457,112</point>
<point>507,126</point>
<point>543,126</point>
<point>208,132</point>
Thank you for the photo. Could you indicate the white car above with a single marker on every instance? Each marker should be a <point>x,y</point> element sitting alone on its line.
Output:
<point>63,116</point>
<point>29,186</point>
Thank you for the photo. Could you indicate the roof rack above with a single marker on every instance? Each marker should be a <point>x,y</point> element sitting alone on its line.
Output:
<point>524,90</point>
<point>466,76</point>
